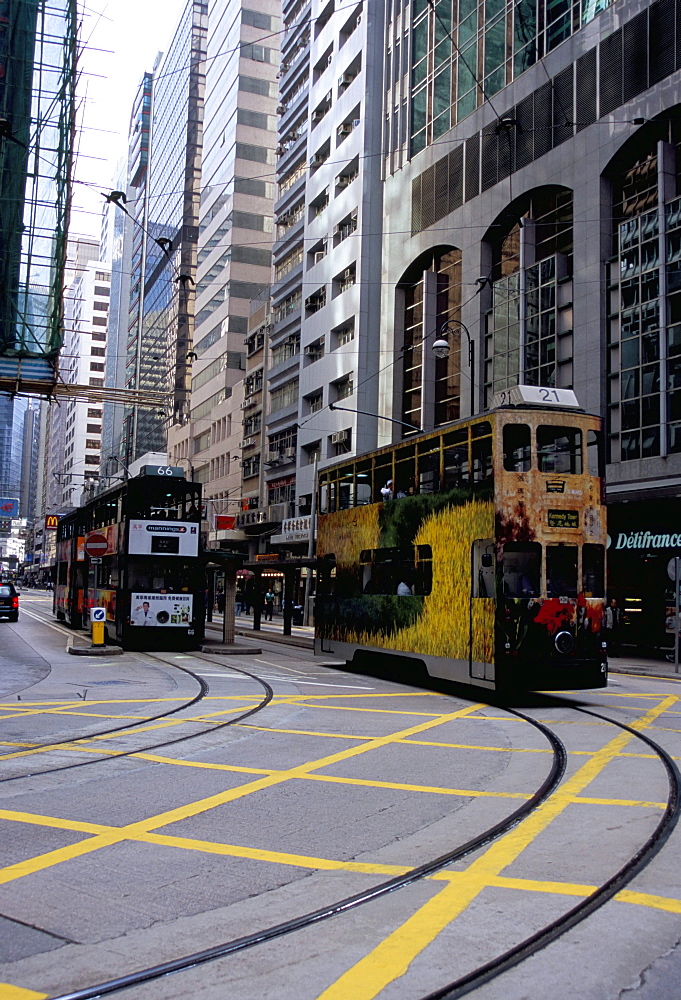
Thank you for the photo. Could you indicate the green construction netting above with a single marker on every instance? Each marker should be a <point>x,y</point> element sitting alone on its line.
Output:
<point>37,101</point>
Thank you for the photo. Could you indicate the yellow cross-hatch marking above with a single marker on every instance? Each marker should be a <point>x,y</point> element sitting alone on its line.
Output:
<point>133,830</point>
<point>9,992</point>
<point>391,959</point>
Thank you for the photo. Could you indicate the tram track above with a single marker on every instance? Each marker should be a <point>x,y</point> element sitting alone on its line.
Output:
<point>495,967</point>
<point>268,934</point>
<point>73,741</point>
<point>486,972</point>
<point>632,867</point>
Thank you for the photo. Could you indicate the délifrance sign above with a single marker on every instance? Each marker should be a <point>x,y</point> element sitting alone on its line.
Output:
<point>646,540</point>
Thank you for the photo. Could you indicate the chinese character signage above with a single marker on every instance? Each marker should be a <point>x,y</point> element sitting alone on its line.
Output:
<point>296,529</point>
<point>167,610</point>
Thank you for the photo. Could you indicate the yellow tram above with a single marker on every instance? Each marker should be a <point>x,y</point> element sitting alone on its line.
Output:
<point>476,551</point>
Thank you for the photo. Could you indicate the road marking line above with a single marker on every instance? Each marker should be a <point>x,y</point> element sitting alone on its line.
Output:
<point>132,831</point>
<point>391,959</point>
<point>9,992</point>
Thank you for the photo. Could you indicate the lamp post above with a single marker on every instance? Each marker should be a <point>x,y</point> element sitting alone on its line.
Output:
<point>441,349</point>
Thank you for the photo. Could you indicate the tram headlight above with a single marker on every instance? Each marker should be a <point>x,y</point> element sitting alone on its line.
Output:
<point>564,642</point>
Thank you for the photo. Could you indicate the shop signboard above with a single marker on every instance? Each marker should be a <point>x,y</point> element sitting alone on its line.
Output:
<point>9,507</point>
<point>297,529</point>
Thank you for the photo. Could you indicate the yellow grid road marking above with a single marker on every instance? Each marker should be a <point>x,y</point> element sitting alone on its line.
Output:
<point>132,831</point>
<point>9,992</point>
<point>392,957</point>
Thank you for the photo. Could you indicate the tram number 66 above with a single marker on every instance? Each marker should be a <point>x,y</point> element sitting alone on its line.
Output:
<point>164,470</point>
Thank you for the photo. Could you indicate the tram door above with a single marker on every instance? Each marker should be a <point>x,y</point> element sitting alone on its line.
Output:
<point>481,610</point>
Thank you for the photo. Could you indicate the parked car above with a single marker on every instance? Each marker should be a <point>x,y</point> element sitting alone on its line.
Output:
<point>9,602</point>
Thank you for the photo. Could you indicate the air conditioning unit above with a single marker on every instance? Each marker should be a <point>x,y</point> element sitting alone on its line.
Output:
<point>345,80</point>
<point>318,115</point>
<point>329,60</point>
<point>345,129</point>
<point>343,181</point>
<point>290,453</point>
<point>317,160</point>
<point>359,19</point>
<point>281,109</point>
<point>339,437</point>
<point>348,273</point>
<point>247,442</point>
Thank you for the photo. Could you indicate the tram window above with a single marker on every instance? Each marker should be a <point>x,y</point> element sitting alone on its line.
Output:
<point>396,571</point>
<point>594,453</point>
<point>324,498</point>
<point>346,488</point>
<point>429,468</point>
<point>62,573</point>
<point>481,452</point>
<point>405,471</point>
<point>383,476</point>
<point>521,569</point>
<point>561,570</point>
<point>363,483</point>
<point>457,469</point>
<point>517,447</point>
<point>559,449</point>
<point>482,577</point>
<point>593,570</point>
<point>327,574</point>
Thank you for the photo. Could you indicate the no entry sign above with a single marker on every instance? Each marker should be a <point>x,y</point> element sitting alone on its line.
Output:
<point>96,544</point>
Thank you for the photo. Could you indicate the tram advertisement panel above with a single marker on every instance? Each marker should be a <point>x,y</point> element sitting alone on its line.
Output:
<point>166,610</point>
<point>163,538</point>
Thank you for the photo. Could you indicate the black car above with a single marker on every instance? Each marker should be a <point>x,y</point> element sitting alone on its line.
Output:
<point>9,602</point>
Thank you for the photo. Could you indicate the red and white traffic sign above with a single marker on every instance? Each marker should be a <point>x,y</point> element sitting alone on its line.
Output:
<point>96,544</point>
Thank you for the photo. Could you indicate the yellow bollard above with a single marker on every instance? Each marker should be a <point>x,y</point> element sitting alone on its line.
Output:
<point>98,623</point>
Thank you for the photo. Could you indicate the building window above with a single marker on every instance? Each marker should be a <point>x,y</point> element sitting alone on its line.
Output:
<point>93,412</point>
<point>432,287</point>
<point>284,396</point>
<point>94,429</point>
<point>531,295</point>
<point>315,401</point>
<point>343,387</point>
<point>645,325</point>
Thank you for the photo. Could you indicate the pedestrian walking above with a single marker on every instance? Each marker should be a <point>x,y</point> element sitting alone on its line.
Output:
<point>613,617</point>
<point>269,605</point>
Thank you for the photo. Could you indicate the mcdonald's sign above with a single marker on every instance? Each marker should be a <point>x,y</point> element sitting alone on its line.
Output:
<point>51,522</point>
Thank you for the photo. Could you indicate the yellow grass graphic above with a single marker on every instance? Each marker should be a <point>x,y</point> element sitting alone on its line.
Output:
<point>443,627</point>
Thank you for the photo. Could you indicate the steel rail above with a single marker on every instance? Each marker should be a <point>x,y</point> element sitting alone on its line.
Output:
<point>187,962</point>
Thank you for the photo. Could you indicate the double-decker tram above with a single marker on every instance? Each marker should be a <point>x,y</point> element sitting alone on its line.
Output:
<point>147,572</point>
<point>476,551</point>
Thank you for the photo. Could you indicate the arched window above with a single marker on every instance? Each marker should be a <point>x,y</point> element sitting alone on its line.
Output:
<point>644,294</point>
<point>431,295</point>
<point>530,310</point>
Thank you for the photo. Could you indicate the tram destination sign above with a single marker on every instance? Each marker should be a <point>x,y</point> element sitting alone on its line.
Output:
<point>163,538</point>
<point>563,518</point>
<point>535,395</point>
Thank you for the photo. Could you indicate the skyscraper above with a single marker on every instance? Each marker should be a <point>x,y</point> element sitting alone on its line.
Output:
<point>165,161</point>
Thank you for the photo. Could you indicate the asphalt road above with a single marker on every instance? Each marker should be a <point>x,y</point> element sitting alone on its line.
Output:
<point>176,824</point>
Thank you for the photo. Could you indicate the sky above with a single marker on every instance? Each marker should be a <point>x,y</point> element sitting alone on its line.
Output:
<point>120,40</point>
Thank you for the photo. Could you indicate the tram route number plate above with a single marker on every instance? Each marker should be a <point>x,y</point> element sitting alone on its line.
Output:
<point>563,518</point>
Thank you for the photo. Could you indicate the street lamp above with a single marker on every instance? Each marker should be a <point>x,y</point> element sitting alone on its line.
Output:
<point>441,349</point>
